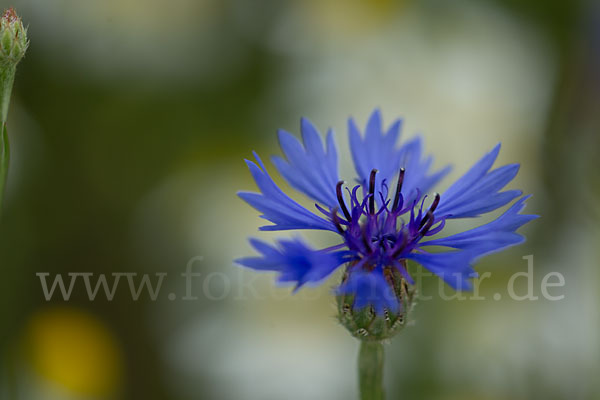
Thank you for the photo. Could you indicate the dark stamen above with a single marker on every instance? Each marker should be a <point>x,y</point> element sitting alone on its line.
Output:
<point>336,221</point>
<point>398,189</point>
<point>429,215</point>
<point>340,197</point>
<point>372,191</point>
<point>428,224</point>
<point>435,203</point>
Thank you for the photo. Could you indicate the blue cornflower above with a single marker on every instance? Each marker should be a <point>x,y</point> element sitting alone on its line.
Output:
<point>387,218</point>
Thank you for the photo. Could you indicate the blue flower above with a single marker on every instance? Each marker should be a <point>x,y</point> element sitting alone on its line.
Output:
<point>387,218</point>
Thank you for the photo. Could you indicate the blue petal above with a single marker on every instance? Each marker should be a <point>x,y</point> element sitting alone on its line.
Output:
<point>474,207</point>
<point>370,288</point>
<point>478,191</point>
<point>378,150</point>
<point>278,207</point>
<point>476,172</point>
<point>294,260</point>
<point>491,237</point>
<point>310,168</point>
<point>453,267</point>
<point>416,178</point>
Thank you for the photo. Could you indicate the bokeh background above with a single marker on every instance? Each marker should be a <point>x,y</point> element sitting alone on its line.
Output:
<point>129,123</point>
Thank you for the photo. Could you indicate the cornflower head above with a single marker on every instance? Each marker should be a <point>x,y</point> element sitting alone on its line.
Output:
<point>388,217</point>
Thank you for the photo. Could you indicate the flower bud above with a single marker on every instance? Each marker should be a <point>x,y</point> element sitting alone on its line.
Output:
<point>366,324</point>
<point>13,39</point>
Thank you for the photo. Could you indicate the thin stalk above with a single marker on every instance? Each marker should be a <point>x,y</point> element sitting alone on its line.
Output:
<point>4,161</point>
<point>7,79</point>
<point>370,370</point>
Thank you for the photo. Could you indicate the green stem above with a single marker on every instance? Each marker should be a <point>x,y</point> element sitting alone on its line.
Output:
<point>7,78</point>
<point>370,370</point>
<point>4,161</point>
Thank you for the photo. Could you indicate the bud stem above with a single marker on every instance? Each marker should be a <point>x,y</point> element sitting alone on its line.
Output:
<point>370,370</point>
<point>7,78</point>
<point>4,160</point>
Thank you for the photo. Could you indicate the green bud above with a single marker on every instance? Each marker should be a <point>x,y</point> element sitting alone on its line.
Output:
<point>13,44</point>
<point>365,324</point>
<point>13,37</point>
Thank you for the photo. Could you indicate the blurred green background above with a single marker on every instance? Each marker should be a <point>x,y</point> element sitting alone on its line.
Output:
<point>129,123</point>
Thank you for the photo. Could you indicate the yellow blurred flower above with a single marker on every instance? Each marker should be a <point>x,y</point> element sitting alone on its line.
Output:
<point>352,17</point>
<point>75,350</point>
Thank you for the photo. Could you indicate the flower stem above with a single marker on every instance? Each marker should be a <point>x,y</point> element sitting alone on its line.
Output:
<point>7,77</point>
<point>4,160</point>
<point>370,370</point>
